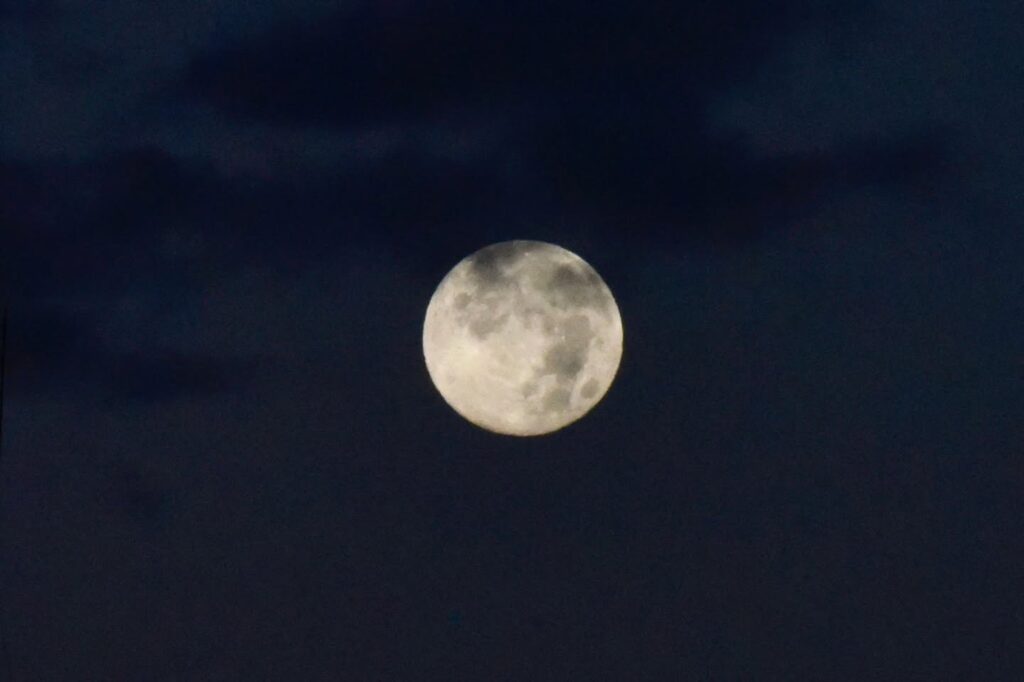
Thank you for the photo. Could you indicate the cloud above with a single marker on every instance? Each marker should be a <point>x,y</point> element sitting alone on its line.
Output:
<point>601,113</point>
<point>83,238</point>
<point>55,351</point>
<point>593,116</point>
<point>141,220</point>
<point>84,77</point>
<point>579,116</point>
<point>98,225</point>
<point>400,60</point>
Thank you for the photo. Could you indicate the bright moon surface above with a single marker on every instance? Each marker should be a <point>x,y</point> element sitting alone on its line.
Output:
<point>522,338</point>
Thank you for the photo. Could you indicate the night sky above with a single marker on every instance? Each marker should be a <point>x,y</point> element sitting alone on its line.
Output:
<point>221,222</point>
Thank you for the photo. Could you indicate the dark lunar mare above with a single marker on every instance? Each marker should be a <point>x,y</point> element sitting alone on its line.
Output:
<point>568,357</point>
<point>487,269</point>
<point>565,360</point>
<point>575,286</point>
<point>487,266</point>
<point>482,327</point>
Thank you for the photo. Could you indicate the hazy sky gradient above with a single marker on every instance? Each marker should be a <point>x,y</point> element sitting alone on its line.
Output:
<point>220,226</point>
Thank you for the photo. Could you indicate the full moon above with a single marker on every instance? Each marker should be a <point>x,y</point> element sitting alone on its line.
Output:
<point>522,338</point>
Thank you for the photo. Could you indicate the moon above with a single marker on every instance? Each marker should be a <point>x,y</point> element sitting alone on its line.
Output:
<point>522,338</point>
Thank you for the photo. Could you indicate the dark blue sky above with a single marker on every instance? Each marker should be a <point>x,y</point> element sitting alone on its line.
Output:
<point>220,226</point>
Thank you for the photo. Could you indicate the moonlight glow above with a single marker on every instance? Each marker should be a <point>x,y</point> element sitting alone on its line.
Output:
<point>522,338</point>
